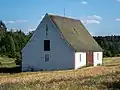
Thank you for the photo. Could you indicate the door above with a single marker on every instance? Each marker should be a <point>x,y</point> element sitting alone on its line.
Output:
<point>89,58</point>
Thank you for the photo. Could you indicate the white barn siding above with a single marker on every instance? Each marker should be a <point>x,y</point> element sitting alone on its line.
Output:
<point>80,59</point>
<point>61,55</point>
<point>98,58</point>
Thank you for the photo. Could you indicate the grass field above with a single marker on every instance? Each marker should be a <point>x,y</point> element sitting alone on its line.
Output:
<point>106,77</point>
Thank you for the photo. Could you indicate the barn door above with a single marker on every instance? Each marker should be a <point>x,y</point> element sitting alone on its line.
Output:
<point>89,58</point>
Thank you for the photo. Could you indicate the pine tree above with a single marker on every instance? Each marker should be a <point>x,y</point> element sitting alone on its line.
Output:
<point>2,26</point>
<point>12,47</point>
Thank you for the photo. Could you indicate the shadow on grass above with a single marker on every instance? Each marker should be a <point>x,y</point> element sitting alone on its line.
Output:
<point>112,85</point>
<point>11,70</point>
<point>109,65</point>
<point>102,81</point>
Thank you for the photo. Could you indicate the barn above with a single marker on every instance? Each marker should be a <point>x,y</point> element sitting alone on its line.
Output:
<point>60,43</point>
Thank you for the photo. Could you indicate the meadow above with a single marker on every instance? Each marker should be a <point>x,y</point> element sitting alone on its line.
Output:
<point>105,77</point>
<point>7,62</point>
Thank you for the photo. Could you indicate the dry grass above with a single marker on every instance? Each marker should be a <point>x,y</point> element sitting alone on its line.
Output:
<point>91,78</point>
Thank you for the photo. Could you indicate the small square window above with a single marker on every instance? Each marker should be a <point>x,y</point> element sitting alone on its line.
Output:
<point>46,57</point>
<point>97,56</point>
<point>80,57</point>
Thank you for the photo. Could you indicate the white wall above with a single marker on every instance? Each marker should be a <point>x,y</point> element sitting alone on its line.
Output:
<point>61,54</point>
<point>99,59</point>
<point>79,63</point>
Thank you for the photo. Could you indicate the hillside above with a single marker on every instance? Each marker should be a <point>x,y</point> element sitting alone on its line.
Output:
<point>93,78</point>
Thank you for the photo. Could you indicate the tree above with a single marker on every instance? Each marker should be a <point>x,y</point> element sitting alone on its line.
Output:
<point>2,26</point>
<point>12,47</point>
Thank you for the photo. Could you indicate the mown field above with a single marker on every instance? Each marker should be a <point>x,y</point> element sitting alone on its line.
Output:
<point>7,62</point>
<point>8,65</point>
<point>106,77</point>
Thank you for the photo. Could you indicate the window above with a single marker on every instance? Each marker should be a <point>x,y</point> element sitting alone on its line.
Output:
<point>97,56</point>
<point>80,57</point>
<point>46,57</point>
<point>46,45</point>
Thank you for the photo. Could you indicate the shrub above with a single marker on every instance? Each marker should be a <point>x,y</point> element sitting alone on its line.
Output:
<point>89,64</point>
<point>98,64</point>
<point>1,55</point>
<point>0,63</point>
<point>118,55</point>
<point>9,55</point>
<point>18,55</point>
<point>18,62</point>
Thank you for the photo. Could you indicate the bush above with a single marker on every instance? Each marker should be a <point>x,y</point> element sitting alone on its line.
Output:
<point>2,55</point>
<point>0,63</point>
<point>10,55</point>
<point>109,54</point>
<point>18,55</point>
<point>89,64</point>
<point>118,55</point>
<point>18,62</point>
<point>98,64</point>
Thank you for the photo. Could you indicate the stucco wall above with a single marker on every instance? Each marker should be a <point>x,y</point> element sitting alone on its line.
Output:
<point>79,63</point>
<point>61,54</point>
<point>98,58</point>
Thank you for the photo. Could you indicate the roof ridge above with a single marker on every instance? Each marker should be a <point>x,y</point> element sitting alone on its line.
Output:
<point>66,17</point>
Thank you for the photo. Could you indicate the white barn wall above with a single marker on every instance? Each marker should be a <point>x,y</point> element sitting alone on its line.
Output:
<point>61,55</point>
<point>79,63</point>
<point>99,59</point>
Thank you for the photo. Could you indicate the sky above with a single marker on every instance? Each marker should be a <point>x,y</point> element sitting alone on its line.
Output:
<point>100,17</point>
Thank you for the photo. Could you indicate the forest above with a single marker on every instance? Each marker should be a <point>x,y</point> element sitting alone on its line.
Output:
<point>12,42</point>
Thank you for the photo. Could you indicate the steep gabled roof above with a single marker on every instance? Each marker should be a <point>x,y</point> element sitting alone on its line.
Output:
<point>75,34</point>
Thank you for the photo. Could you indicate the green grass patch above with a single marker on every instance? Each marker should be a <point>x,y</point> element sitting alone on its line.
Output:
<point>7,62</point>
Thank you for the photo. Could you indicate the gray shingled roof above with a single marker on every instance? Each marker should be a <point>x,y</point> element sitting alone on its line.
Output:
<point>75,34</point>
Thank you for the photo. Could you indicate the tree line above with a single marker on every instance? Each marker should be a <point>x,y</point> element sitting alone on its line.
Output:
<point>110,45</point>
<point>12,42</point>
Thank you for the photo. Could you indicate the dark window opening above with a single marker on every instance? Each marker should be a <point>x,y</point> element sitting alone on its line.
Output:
<point>46,45</point>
